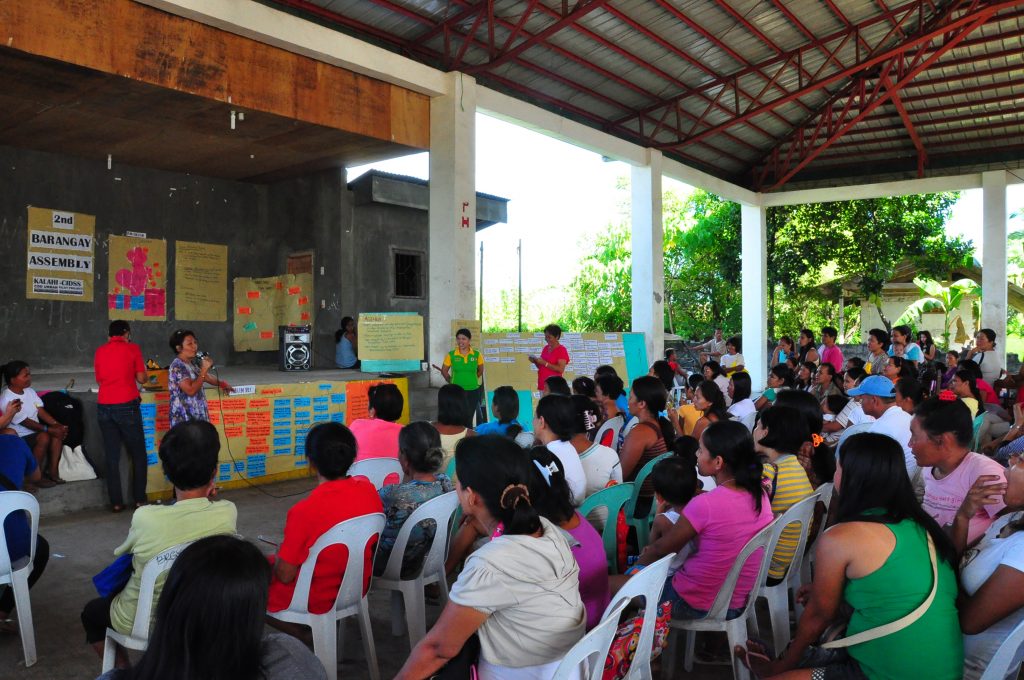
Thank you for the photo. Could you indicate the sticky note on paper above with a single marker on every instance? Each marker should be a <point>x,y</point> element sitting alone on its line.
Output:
<point>294,290</point>
<point>251,326</point>
<point>279,285</point>
<point>303,300</point>
<point>304,316</point>
<point>245,310</point>
<point>266,335</point>
<point>253,295</point>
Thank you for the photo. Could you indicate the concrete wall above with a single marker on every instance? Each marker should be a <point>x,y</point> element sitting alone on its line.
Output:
<point>895,303</point>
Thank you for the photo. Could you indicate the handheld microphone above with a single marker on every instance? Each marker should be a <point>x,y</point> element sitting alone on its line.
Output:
<point>203,355</point>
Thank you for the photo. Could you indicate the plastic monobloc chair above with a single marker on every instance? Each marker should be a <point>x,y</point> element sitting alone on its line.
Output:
<point>138,639</point>
<point>642,525</point>
<point>612,499</point>
<point>409,590</point>
<point>736,628</point>
<point>377,470</point>
<point>585,661</point>
<point>647,584</point>
<point>777,595</point>
<point>1001,666</point>
<point>355,534</point>
<point>16,574</point>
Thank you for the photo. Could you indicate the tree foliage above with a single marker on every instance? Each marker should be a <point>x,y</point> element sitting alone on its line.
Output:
<point>807,246</point>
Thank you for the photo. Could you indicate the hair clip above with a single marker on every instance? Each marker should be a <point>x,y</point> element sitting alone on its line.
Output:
<point>521,493</point>
<point>546,470</point>
<point>817,440</point>
<point>947,395</point>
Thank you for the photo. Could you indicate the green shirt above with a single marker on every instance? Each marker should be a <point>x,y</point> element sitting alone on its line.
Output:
<point>464,368</point>
<point>156,528</point>
<point>931,647</point>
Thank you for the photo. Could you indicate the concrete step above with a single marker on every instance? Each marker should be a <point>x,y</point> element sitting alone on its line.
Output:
<point>72,497</point>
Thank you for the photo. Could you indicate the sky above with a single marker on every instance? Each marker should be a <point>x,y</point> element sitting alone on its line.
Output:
<point>562,197</point>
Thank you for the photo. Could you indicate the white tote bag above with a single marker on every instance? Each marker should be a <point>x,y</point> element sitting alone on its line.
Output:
<point>74,467</point>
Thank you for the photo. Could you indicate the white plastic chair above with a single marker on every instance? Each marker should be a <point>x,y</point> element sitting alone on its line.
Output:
<point>138,639</point>
<point>585,660</point>
<point>1001,666</point>
<point>648,584</point>
<point>16,575</point>
<point>825,494</point>
<point>748,420</point>
<point>377,470</point>
<point>735,629</point>
<point>355,534</point>
<point>777,596</point>
<point>409,591</point>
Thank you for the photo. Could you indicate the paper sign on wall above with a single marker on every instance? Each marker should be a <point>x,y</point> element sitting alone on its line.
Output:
<point>60,257</point>
<point>200,281</point>
<point>137,282</point>
<point>261,305</point>
<point>473,326</point>
<point>390,337</point>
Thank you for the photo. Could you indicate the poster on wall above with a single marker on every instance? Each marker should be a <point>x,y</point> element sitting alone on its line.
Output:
<point>200,281</point>
<point>61,249</point>
<point>261,305</point>
<point>137,285</point>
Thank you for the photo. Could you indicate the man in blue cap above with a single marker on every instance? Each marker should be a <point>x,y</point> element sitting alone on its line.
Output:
<point>877,396</point>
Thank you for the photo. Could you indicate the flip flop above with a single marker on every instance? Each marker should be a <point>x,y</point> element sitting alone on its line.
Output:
<point>56,479</point>
<point>45,483</point>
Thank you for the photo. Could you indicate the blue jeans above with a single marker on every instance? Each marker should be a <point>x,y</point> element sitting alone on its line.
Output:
<point>682,610</point>
<point>122,423</point>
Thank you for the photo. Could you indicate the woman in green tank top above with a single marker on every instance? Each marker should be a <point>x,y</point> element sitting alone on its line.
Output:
<point>875,560</point>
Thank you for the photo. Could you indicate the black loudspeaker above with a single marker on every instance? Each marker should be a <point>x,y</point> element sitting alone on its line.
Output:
<point>296,348</point>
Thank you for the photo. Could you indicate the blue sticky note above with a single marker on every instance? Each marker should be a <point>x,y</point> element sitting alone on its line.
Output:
<point>282,441</point>
<point>338,398</point>
<point>338,418</point>
<point>302,414</point>
<point>283,431</point>
<point>301,463</point>
<point>137,302</point>
<point>319,400</point>
<point>150,442</point>
<point>321,418</point>
<point>320,408</point>
<point>303,401</point>
<point>239,466</point>
<point>282,452</point>
<point>325,387</point>
<point>282,403</point>
<point>152,459</point>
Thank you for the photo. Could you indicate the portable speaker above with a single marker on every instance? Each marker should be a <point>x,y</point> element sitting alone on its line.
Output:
<point>296,350</point>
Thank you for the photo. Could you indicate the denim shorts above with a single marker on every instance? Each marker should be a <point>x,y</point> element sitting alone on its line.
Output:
<point>682,610</point>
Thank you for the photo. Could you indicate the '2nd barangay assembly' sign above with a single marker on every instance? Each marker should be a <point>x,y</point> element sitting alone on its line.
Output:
<point>61,251</point>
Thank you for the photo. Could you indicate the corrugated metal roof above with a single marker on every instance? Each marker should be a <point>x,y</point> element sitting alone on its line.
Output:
<point>759,92</point>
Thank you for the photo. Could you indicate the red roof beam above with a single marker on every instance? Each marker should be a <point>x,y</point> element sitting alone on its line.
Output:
<point>929,134</point>
<point>922,154</point>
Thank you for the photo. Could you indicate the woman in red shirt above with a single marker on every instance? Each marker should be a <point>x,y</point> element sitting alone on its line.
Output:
<point>553,358</point>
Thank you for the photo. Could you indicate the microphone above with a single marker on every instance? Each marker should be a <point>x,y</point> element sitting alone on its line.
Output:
<point>203,355</point>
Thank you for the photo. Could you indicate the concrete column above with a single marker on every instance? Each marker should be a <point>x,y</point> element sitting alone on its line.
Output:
<point>648,256</point>
<point>451,273</point>
<point>994,298</point>
<point>754,259</point>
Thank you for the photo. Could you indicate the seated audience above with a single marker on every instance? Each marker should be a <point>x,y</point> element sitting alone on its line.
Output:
<point>345,345</point>
<point>854,362</point>
<point>601,464</point>
<point>816,458</point>
<point>188,456</point>
<point>688,413</point>
<point>899,368</point>
<point>377,436</point>
<point>421,457</point>
<point>783,351</point>
<point>849,414</point>
<point>17,469</point>
<point>1012,443</point>
<point>878,351</point>
<point>675,484</point>
<point>554,424</point>
<point>909,394</point>
<point>832,406</point>
<point>556,384</point>
<point>710,401</point>
<point>452,413</point>
<point>875,561</point>
<point>583,385</point>
<point>986,389</point>
<point>992,572</point>
<point>952,359</point>
<point>830,352</point>
<point>713,372</point>
<point>877,396</point>
<point>804,379</point>
<point>651,436</point>
<point>964,386</point>
<point>984,354</point>
<point>824,382</point>
<point>43,433</point>
<point>780,433</point>
<point>553,501</point>
<point>780,377</point>
<point>732,361</point>
<point>927,345</point>
<point>663,372</point>
<point>719,523</point>
<point>941,434</point>
<point>209,621</point>
<point>505,410</point>
<point>739,392</point>
<point>806,350</point>
<point>608,389</point>
<point>520,592</point>
<point>904,347</point>
<point>673,362</point>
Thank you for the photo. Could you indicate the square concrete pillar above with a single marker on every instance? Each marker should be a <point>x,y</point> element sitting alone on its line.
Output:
<point>754,262</point>
<point>994,296</point>
<point>451,274</point>
<point>648,255</point>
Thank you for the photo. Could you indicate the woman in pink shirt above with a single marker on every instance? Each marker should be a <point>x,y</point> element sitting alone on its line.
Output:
<point>377,436</point>
<point>718,524</point>
<point>553,358</point>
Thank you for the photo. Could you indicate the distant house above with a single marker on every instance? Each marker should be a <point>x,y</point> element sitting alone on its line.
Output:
<point>901,291</point>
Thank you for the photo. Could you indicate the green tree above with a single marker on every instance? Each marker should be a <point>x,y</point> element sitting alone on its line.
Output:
<point>939,298</point>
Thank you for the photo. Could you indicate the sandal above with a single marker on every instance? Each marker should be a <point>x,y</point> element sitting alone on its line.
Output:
<point>45,483</point>
<point>56,479</point>
<point>116,508</point>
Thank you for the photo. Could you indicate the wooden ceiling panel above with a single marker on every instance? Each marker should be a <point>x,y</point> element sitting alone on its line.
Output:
<point>62,108</point>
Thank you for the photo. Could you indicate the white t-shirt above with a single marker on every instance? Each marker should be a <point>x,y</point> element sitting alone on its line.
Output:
<point>600,466</point>
<point>723,384</point>
<point>977,566</point>
<point>895,423</point>
<point>989,364</point>
<point>529,589</point>
<point>730,360</point>
<point>30,405</point>
<point>741,409</point>
<point>573,467</point>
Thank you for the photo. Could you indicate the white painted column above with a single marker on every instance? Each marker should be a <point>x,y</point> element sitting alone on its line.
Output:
<point>994,297</point>
<point>648,255</point>
<point>451,286</point>
<point>754,260</point>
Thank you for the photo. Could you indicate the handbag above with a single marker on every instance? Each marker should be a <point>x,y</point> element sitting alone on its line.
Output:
<point>627,635</point>
<point>114,576</point>
<point>462,666</point>
<point>74,466</point>
<point>900,623</point>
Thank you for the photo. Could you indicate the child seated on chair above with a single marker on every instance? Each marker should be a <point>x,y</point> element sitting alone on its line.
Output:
<point>421,456</point>
<point>331,449</point>
<point>675,483</point>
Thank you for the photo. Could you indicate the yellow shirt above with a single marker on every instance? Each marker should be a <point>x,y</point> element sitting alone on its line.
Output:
<point>689,415</point>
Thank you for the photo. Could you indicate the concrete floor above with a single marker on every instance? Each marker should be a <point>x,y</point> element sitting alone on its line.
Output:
<point>81,544</point>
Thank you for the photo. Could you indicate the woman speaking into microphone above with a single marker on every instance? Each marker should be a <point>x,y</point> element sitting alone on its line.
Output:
<point>188,372</point>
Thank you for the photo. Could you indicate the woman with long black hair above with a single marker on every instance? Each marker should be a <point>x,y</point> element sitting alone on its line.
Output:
<point>209,621</point>
<point>886,559</point>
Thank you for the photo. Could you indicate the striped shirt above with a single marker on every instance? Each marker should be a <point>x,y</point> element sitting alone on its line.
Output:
<point>791,486</point>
